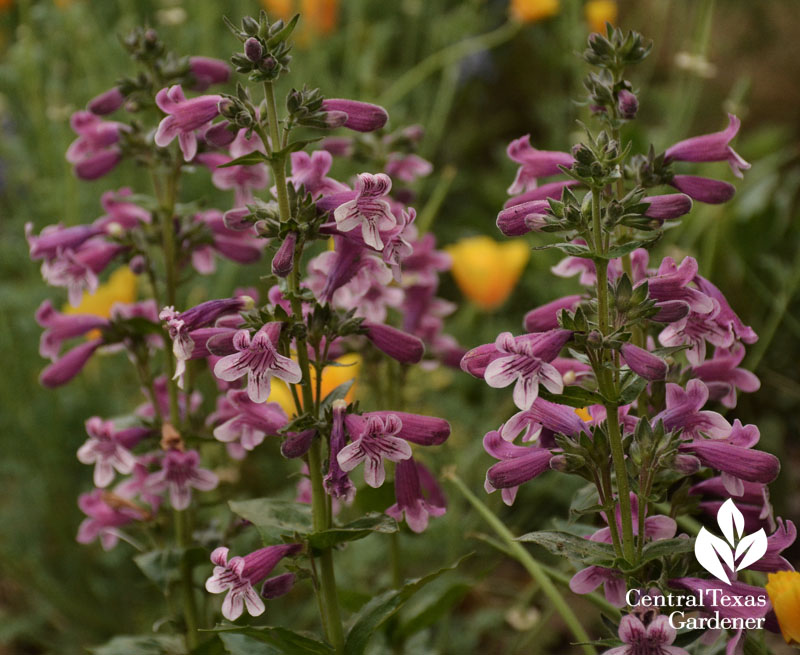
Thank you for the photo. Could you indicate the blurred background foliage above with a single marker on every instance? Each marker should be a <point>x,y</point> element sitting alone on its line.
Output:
<point>475,80</point>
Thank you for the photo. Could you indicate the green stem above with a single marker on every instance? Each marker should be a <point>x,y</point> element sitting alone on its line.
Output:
<point>331,617</point>
<point>533,567</point>
<point>607,388</point>
<point>447,56</point>
<point>183,539</point>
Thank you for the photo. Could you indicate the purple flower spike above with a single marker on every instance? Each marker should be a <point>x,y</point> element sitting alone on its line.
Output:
<point>67,367</point>
<point>627,104</point>
<point>180,473</point>
<point>520,219</point>
<point>310,171</point>
<point>546,317</point>
<point>259,359</point>
<point>525,363</point>
<point>671,283</point>
<point>361,116</point>
<point>783,537</point>
<point>711,192</point>
<point>105,450</point>
<point>337,482</point>
<point>672,205</point>
<point>534,164</point>
<point>368,209</point>
<point>184,118</point>
<point>416,428</point>
<point>208,71</point>
<point>514,472</point>
<point>399,345</point>
<point>61,327</point>
<point>638,638</point>
<point>710,147</point>
<point>95,152</point>
<point>407,167</point>
<point>374,439</point>
<point>643,362</point>
<point>726,316</point>
<point>239,575</point>
<point>411,503</point>
<point>97,165</point>
<point>283,260</point>
<point>106,103</point>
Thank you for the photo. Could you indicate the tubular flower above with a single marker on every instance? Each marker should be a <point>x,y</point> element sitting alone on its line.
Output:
<point>654,638</point>
<point>96,151</point>
<point>361,116</point>
<point>374,439</point>
<point>105,514</point>
<point>245,424</point>
<point>487,271</point>
<point>783,588</point>
<point>180,473</point>
<point>684,412</point>
<point>239,575</point>
<point>61,327</point>
<point>106,450</point>
<point>723,377</point>
<point>517,464</point>
<point>533,163</point>
<point>526,363</point>
<point>369,209</point>
<point>184,118</point>
<point>258,358</point>
<point>337,482</point>
<point>411,503</point>
<point>710,147</point>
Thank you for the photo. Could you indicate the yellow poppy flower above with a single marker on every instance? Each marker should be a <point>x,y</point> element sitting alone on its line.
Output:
<point>783,588</point>
<point>317,17</point>
<point>485,270</point>
<point>600,12</point>
<point>332,376</point>
<point>531,11</point>
<point>121,287</point>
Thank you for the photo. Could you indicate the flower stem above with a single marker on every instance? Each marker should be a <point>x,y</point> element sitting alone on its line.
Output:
<point>533,567</point>
<point>607,390</point>
<point>183,539</point>
<point>329,603</point>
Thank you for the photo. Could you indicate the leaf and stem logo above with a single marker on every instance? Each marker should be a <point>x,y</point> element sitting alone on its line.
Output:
<point>712,551</point>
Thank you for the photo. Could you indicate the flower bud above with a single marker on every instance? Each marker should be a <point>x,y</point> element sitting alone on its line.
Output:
<point>106,103</point>
<point>643,362</point>
<point>98,165</point>
<point>567,463</point>
<point>220,134</point>
<point>137,264</point>
<point>253,50</point>
<point>235,219</point>
<point>335,118</point>
<point>404,347</point>
<point>208,71</point>
<point>283,260</point>
<point>361,116</point>
<point>627,104</point>
<point>686,464</point>
<point>297,444</point>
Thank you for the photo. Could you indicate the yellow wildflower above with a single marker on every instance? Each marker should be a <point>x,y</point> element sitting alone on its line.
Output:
<point>783,588</point>
<point>600,12</point>
<point>317,17</point>
<point>531,11</point>
<point>121,287</point>
<point>347,369</point>
<point>583,414</point>
<point>486,271</point>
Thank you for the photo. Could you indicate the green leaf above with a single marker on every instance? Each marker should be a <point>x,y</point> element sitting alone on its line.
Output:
<point>632,386</point>
<point>294,146</point>
<point>283,640</point>
<point>573,397</point>
<point>381,608</point>
<point>283,34</point>
<point>627,248</point>
<point>358,529</point>
<point>337,394</point>
<point>666,548</point>
<point>569,545</point>
<point>274,518</point>
<point>251,159</point>
<point>142,645</point>
<point>240,644</point>
<point>574,249</point>
<point>162,567</point>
